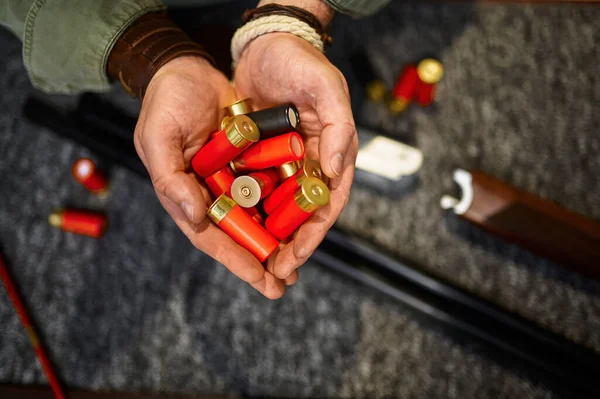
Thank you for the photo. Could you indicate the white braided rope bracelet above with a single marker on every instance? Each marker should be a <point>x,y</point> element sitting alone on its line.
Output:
<point>269,24</point>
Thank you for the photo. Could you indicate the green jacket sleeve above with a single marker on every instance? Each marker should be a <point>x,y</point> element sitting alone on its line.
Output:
<point>66,43</point>
<point>357,8</point>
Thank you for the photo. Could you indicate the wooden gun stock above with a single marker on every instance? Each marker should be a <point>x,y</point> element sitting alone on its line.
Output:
<point>529,221</point>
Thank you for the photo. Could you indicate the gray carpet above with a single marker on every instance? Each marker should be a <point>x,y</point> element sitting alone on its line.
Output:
<point>141,309</point>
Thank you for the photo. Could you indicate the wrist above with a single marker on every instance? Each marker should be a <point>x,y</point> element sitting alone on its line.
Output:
<point>183,66</point>
<point>307,19</point>
<point>145,47</point>
<point>318,8</point>
<point>184,63</point>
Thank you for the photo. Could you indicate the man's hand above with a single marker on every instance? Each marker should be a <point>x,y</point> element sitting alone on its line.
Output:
<point>182,106</point>
<point>277,68</point>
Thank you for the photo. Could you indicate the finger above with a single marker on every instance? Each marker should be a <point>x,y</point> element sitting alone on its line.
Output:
<point>312,232</point>
<point>270,286</point>
<point>211,240</point>
<point>163,152</point>
<point>307,241</point>
<point>292,278</point>
<point>270,265</point>
<point>311,147</point>
<point>335,113</point>
<point>208,238</point>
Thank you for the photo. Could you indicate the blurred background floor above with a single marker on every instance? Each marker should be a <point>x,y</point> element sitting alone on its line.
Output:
<point>141,309</point>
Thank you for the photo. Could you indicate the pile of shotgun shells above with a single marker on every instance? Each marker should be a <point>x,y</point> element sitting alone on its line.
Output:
<point>254,166</point>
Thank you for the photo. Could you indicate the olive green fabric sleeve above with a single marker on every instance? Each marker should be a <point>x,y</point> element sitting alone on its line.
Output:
<point>66,43</point>
<point>357,8</point>
<point>13,13</point>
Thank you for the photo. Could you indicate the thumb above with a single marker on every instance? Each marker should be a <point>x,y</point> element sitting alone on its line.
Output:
<point>335,114</point>
<point>166,166</point>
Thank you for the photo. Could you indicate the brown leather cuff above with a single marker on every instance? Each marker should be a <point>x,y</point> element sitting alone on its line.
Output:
<point>145,46</point>
<point>290,11</point>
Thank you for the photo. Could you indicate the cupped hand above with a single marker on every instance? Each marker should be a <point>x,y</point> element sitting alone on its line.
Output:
<point>278,68</point>
<point>182,106</point>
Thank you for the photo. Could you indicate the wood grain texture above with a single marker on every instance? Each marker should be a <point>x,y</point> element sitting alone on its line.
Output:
<point>536,224</point>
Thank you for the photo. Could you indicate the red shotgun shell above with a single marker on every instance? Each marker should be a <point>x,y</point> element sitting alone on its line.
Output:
<point>84,171</point>
<point>375,90</point>
<point>289,186</point>
<point>247,191</point>
<point>405,89</point>
<point>426,94</point>
<point>269,153</point>
<point>228,143</point>
<point>91,224</point>
<point>240,107</point>
<point>240,226</point>
<point>220,182</point>
<point>295,210</point>
<point>430,72</point>
<point>276,120</point>
<point>253,211</point>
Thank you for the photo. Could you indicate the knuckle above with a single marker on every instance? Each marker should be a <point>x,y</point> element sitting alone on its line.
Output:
<point>345,195</point>
<point>253,277</point>
<point>342,80</point>
<point>349,130</point>
<point>220,253</point>
<point>137,140</point>
<point>161,185</point>
<point>323,81</point>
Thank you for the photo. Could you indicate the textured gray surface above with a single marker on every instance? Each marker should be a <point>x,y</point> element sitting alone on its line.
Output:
<point>520,101</point>
<point>397,357</point>
<point>142,309</point>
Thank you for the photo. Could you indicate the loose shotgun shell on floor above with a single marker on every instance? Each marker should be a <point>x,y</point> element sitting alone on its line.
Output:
<point>365,73</point>
<point>375,90</point>
<point>288,169</point>
<point>86,173</point>
<point>430,71</point>
<point>248,190</point>
<point>404,90</point>
<point>277,120</point>
<point>240,107</point>
<point>288,187</point>
<point>91,224</point>
<point>228,143</point>
<point>295,210</point>
<point>220,182</point>
<point>426,94</point>
<point>240,226</point>
<point>270,153</point>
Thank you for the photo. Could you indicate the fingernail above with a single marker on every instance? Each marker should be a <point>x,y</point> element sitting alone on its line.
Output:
<point>188,210</point>
<point>336,163</point>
